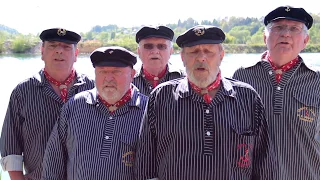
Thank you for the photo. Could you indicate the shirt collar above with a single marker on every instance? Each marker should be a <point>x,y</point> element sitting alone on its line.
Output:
<point>40,79</point>
<point>171,69</point>
<point>301,61</point>
<point>92,97</point>
<point>184,89</point>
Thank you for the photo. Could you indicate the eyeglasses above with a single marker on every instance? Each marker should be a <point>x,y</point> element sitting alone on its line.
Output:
<point>150,46</point>
<point>277,29</point>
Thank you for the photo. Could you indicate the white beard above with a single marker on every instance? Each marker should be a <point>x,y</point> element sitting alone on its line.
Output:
<point>201,83</point>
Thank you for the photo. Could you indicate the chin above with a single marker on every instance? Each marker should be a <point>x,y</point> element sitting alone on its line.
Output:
<point>110,96</point>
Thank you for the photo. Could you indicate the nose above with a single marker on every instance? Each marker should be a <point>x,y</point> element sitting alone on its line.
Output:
<point>286,32</point>
<point>201,57</point>
<point>59,49</point>
<point>109,76</point>
<point>154,50</point>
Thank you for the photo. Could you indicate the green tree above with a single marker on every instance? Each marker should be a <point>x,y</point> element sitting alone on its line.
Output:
<point>113,35</point>
<point>22,43</point>
<point>257,38</point>
<point>241,34</point>
<point>3,37</point>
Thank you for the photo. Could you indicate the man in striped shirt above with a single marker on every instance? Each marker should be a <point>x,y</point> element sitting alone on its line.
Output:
<point>35,104</point>
<point>155,48</point>
<point>203,126</point>
<point>289,88</point>
<point>96,135</point>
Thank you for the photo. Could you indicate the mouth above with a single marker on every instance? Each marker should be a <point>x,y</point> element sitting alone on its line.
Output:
<point>59,60</point>
<point>201,69</point>
<point>155,58</point>
<point>283,43</point>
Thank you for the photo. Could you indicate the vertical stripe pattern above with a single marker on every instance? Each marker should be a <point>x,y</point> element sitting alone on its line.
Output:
<point>184,138</point>
<point>292,110</point>
<point>90,143</point>
<point>32,112</point>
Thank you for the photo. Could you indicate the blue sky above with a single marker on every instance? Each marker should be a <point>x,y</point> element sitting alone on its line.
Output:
<point>33,16</point>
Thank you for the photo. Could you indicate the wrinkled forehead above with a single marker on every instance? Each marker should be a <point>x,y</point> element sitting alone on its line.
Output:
<point>287,22</point>
<point>203,47</point>
<point>154,40</point>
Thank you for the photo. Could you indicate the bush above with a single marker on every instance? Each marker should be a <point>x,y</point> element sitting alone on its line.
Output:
<point>22,44</point>
<point>88,46</point>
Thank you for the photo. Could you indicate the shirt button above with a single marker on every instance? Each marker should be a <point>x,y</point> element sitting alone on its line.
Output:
<point>150,87</point>
<point>270,72</point>
<point>110,117</point>
<point>97,105</point>
<point>208,133</point>
<point>278,88</point>
<point>207,111</point>
<point>107,137</point>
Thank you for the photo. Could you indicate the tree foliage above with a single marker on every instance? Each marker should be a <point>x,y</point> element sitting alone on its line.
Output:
<point>242,34</point>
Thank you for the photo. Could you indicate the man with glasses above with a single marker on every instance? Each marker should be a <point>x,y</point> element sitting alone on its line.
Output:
<point>203,126</point>
<point>35,104</point>
<point>289,88</point>
<point>155,48</point>
<point>96,134</point>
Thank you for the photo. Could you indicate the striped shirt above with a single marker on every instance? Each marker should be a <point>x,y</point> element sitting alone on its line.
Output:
<point>145,87</point>
<point>90,143</point>
<point>184,138</point>
<point>33,109</point>
<point>292,111</point>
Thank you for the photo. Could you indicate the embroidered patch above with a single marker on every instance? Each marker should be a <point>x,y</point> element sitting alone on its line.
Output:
<point>244,160</point>
<point>128,158</point>
<point>306,114</point>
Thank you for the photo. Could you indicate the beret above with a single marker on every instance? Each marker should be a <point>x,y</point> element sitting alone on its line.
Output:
<point>114,56</point>
<point>290,13</point>
<point>158,31</point>
<point>61,35</point>
<point>201,34</point>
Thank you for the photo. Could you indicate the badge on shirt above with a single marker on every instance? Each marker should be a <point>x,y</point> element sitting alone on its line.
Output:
<point>306,114</point>
<point>245,159</point>
<point>128,158</point>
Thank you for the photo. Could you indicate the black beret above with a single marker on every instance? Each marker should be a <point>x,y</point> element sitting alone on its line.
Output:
<point>114,56</point>
<point>287,12</point>
<point>201,34</point>
<point>150,31</point>
<point>61,35</point>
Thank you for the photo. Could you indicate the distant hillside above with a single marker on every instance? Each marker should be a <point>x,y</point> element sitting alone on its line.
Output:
<point>9,30</point>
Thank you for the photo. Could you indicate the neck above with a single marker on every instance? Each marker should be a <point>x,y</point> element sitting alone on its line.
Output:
<point>279,61</point>
<point>154,70</point>
<point>60,76</point>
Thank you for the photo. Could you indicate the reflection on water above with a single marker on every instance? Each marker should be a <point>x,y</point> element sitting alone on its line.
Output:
<point>15,68</point>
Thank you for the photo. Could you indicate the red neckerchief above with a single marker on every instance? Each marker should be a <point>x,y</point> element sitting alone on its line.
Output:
<point>115,106</point>
<point>63,86</point>
<point>205,91</point>
<point>154,79</point>
<point>282,69</point>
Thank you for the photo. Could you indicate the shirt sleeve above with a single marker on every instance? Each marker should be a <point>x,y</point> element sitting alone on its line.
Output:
<point>11,143</point>
<point>12,163</point>
<point>262,154</point>
<point>146,164</point>
<point>55,157</point>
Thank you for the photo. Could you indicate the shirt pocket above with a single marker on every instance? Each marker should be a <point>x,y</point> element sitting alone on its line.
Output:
<point>307,106</point>
<point>242,136</point>
<point>243,123</point>
<point>127,144</point>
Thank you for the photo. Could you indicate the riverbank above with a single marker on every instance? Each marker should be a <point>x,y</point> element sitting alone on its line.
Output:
<point>86,47</point>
